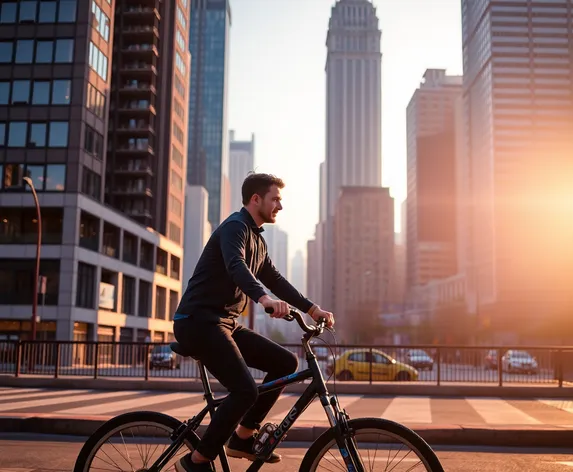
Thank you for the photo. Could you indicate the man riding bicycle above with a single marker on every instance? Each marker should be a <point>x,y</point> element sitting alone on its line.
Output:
<point>205,322</point>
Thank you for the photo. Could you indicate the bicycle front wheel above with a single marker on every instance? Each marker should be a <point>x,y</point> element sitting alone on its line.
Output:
<point>380,444</point>
<point>132,441</point>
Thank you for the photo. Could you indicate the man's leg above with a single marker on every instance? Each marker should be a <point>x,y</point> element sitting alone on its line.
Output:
<point>268,356</point>
<point>212,342</point>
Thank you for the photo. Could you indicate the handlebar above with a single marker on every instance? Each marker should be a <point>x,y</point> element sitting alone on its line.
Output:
<point>295,315</point>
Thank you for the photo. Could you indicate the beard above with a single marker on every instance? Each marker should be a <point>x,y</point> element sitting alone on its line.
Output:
<point>267,216</point>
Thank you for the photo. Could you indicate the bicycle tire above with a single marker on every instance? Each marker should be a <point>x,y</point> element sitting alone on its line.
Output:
<point>316,450</point>
<point>93,443</point>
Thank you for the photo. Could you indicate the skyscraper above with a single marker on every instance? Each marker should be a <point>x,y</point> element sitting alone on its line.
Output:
<point>110,276</point>
<point>518,111</point>
<point>353,116</point>
<point>208,149</point>
<point>241,162</point>
<point>431,170</point>
<point>353,99</point>
<point>148,116</point>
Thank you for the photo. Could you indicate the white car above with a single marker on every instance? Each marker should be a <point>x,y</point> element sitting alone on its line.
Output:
<point>519,361</point>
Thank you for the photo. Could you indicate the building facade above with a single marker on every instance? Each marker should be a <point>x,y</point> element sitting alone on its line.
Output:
<point>518,119</point>
<point>431,177</point>
<point>241,162</point>
<point>197,228</point>
<point>108,276</point>
<point>353,116</point>
<point>364,241</point>
<point>208,148</point>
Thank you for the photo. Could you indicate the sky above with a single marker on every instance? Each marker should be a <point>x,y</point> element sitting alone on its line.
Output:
<point>277,89</point>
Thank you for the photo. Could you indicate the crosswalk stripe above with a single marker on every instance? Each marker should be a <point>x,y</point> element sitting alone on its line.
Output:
<point>14,391</point>
<point>114,407</point>
<point>498,411</point>
<point>565,405</point>
<point>42,394</point>
<point>409,410</point>
<point>54,401</point>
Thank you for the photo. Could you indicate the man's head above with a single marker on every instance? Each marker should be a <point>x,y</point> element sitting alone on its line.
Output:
<point>262,197</point>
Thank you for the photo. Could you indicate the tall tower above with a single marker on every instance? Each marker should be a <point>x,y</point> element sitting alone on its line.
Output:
<point>353,117</point>
<point>148,116</point>
<point>241,162</point>
<point>208,149</point>
<point>431,169</point>
<point>353,98</point>
<point>518,110</point>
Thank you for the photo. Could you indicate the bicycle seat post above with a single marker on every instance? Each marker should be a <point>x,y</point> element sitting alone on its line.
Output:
<point>205,381</point>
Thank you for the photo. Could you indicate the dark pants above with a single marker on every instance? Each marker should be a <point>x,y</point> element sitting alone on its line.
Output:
<point>226,349</point>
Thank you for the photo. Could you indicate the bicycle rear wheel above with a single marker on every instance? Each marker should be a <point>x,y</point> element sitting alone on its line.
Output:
<point>383,444</point>
<point>132,441</point>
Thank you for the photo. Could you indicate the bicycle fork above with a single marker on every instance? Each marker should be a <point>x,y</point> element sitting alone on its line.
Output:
<point>343,434</point>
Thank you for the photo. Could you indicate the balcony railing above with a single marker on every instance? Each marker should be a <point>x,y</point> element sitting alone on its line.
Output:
<point>450,365</point>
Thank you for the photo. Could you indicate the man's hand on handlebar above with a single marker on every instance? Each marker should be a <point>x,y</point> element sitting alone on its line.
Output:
<point>279,308</point>
<point>319,313</point>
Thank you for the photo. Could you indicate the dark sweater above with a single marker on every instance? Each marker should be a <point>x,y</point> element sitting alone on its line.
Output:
<point>227,271</point>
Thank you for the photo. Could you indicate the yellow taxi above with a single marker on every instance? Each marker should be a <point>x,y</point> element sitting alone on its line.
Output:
<point>354,364</point>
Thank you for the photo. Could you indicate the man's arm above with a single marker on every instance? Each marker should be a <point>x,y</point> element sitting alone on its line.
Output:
<point>233,240</point>
<point>281,287</point>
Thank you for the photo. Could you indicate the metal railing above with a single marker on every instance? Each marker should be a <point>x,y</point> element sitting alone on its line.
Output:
<point>424,364</point>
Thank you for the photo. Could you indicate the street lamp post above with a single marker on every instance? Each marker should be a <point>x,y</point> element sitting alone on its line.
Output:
<point>38,246</point>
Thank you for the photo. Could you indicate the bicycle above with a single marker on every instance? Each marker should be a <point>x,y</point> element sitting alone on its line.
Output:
<point>182,436</point>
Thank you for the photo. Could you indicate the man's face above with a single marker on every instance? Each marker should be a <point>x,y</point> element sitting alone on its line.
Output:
<point>270,205</point>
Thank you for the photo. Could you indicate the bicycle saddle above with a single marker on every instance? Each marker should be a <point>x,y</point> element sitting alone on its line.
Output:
<point>178,349</point>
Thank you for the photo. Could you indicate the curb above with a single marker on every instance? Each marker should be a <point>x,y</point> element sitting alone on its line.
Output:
<point>361,388</point>
<point>435,435</point>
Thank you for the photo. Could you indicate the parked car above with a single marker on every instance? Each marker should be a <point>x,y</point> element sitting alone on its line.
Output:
<point>357,364</point>
<point>519,361</point>
<point>163,356</point>
<point>419,359</point>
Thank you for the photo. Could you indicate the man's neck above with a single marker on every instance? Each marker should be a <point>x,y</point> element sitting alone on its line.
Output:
<point>255,216</point>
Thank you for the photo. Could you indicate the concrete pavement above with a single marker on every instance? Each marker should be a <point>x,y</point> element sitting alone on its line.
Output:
<point>455,420</point>
<point>26,453</point>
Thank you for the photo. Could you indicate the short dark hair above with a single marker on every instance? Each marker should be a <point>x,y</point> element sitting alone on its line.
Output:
<point>259,184</point>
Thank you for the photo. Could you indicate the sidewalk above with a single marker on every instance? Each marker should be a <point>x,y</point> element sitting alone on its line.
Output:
<point>459,420</point>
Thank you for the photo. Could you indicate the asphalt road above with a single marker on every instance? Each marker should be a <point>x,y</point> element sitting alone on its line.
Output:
<point>26,453</point>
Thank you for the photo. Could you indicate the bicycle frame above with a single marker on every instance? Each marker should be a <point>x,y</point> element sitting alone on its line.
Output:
<point>336,416</point>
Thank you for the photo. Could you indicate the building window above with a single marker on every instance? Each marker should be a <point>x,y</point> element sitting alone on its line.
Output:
<point>20,92</point>
<point>55,177</point>
<point>44,52</point>
<point>41,93</point>
<point>98,61</point>
<point>180,64</point>
<point>181,18</point>
<point>179,87</point>
<point>93,143</point>
<point>58,134</point>
<point>61,92</point>
<point>47,13</point>
<point>85,291</point>
<point>17,281</point>
<point>8,12</point>
<point>19,225</point>
<point>96,101</point>
<point>13,174</point>
<point>174,233</point>
<point>173,303</point>
<point>175,267</point>
<point>5,93</point>
<point>6,50</point>
<point>67,11</point>
<point>100,21</point>
<point>128,301</point>
<point>17,134</point>
<point>144,299</point>
<point>37,135</point>
<point>91,183</point>
<point>64,51</point>
<point>160,302</point>
<point>177,157</point>
<point>178,132</point>
<point>36,174</point>
<point>27,12</point>
<point>180,39</point>
<point>175,206</point>
<point>24,51</point>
